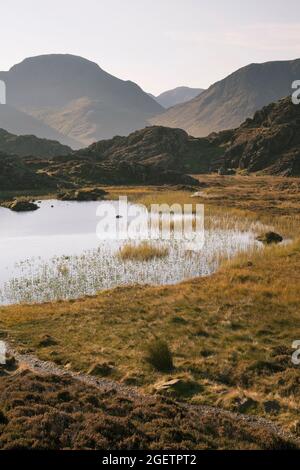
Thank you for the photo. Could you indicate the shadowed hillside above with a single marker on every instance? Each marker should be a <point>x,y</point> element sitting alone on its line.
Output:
<point>25,145</point>
<point>15,174</point>
<point>19,122</point>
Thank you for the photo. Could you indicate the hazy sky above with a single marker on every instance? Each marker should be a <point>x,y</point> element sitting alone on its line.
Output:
<point>159,44</point>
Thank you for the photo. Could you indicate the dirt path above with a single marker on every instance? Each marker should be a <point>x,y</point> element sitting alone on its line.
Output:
<point>28,361</point>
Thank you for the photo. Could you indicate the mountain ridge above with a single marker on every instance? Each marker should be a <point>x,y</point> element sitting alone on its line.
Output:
<point>228,102</point>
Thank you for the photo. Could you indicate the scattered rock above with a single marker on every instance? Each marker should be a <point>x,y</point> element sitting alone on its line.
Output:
<point>247,404</point>
<point>46,341</point>
<point>101,368</point>
<point>236,400</point>
<point>270,238</point>
<point>22,206</point>
<point>132,379</point>
<point>272,406</point>
<point>178,387</point>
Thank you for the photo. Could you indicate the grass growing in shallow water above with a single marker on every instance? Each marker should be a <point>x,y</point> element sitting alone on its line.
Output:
<point>142,252</point>
<point>71,277</point>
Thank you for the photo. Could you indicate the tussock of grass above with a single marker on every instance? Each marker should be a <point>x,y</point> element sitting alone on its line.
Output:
<point>143,252</point>
<point>159,356</point>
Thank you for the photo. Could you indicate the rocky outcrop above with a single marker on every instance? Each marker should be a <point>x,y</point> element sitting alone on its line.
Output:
<point>157,147</point>
<point>268,143</point>
<point>153,155</point>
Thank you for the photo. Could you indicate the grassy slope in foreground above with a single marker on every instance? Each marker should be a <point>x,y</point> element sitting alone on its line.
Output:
<point>231,334</point>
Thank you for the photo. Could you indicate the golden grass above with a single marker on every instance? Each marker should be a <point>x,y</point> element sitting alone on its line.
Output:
<point>145,251</point>
<point>231,333</point>
<point>239,202</point>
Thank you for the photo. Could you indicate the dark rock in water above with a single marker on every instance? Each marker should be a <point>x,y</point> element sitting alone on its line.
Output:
<point>85,194</point>
<point>22,206</point>
<point>269,238</point>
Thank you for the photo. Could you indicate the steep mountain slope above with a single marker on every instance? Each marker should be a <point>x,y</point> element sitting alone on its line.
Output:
<point>25,145</point>
<point>270,142</point>
<point>77,98</point>
<point>178,95</point>
<point>18,122</point>
<point>227,103</point>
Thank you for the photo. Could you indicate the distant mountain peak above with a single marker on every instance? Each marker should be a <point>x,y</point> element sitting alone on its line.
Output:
<point>178,95</point>
<point>75,98</point>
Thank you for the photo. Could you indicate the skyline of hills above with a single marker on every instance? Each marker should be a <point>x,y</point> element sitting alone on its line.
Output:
<point>75,98</point>
<point>227,103</point>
